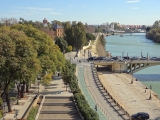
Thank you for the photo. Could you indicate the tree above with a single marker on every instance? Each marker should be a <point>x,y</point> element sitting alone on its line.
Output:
<point>61,43</point>
<point>49,54</point>
<point>102,39</point>
<point>67,73</point>
<point>46,80</point>
<point>79,36</point>
<point>17,57</point>
<point>143,27</point>
<point>90,36</point>
<point>8,21</point>
<point>148,29</point>
<point>156,24</point>
<point>69,48</point>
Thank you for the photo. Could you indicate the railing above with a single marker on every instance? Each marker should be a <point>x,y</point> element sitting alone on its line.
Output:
<point>110,96</point>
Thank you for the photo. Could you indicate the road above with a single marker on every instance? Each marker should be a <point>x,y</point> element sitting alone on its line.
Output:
<point>99,97</point>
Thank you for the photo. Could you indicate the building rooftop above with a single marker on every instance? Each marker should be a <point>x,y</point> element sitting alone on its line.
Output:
<point>56,26</point>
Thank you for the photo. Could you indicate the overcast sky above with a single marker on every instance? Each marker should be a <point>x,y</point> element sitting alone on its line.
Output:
<point>129,12</point>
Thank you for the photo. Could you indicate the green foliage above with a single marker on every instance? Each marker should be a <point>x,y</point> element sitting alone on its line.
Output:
<point>87,112</point>
<point>32,113</point>
<point>36,24</point>
<point>46,80</point>
<point>154,32</point>
<point>90,36</point>
<point>13,98</point>
<point>61,43</point>
<point>97,30</point>
<point>75,35</point>
<point>69,48</point>
<point>102,40</point>
<point>49,54</point>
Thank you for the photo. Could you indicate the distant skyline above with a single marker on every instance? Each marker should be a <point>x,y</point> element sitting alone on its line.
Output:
<point>128,12</point>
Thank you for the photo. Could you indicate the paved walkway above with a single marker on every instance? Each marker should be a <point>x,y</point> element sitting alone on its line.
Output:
<point>87,94</point>
<point>56,86</point>
<point>132,97</point>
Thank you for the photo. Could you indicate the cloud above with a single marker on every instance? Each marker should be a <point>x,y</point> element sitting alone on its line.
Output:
<point>132,1</point>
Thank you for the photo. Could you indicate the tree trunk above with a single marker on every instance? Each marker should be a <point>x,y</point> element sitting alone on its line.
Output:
<point>66,87</point>
<point>22,91</point>
<point>18,94</point>
<point>27,88</point>
<point>8,102</point>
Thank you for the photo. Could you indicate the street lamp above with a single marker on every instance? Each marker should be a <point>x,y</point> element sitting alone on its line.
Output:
<point>122,54</point>
<point>150,97</point>
<point>141,54</point>
<point>38,78</point>
<point>120,67</point>
<point>132,78</point>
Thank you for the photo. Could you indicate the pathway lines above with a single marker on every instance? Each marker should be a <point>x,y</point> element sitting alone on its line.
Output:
<point>87,94</point>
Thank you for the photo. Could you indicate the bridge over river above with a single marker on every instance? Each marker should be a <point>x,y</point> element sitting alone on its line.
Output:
<point>127,66</point>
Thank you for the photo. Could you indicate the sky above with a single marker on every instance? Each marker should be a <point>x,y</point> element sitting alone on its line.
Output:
<point>92,12</point>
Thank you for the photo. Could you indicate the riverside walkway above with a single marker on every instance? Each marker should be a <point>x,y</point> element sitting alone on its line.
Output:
<point>131,97</point>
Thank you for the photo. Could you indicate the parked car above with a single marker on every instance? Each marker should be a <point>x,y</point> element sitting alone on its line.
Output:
<point>134,58</point>
<point>100,58</point>
<point>114,58</point>
<point>126,58</point>
<point>158,59</point>
<point>91,58</point>
<point>143,58</point>
<point>109,59</point>
<point>140,116</point>
<point>153,58</point>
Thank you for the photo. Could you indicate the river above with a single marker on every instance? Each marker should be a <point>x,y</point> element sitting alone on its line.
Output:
<point>135,45</point>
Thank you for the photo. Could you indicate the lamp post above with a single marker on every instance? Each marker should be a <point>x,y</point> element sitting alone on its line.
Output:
<point>132,78</point>
<point>150,97</point>
<point>120,67</point>
<point>141,54</point>
<point>122,54</point>
<point>38,78</point>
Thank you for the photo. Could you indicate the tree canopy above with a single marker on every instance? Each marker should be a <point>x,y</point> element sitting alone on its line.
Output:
<point>75,34</point>
<point>25,52</point>
<point>153,33</point>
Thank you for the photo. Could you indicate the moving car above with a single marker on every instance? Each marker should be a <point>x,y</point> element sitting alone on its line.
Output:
<point>140,116</point>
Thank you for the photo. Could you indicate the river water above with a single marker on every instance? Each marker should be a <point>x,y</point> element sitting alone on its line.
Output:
<point>135,45</point>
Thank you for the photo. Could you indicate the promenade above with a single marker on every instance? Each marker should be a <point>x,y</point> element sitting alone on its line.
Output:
<point>26,103</point>
<point>132,98</point>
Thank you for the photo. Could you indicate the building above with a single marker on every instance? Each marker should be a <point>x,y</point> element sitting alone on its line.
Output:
<point>45,22</point>
<point>58,30</point>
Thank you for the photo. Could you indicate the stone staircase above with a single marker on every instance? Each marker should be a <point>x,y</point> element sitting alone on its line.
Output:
<point>58,108</point>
